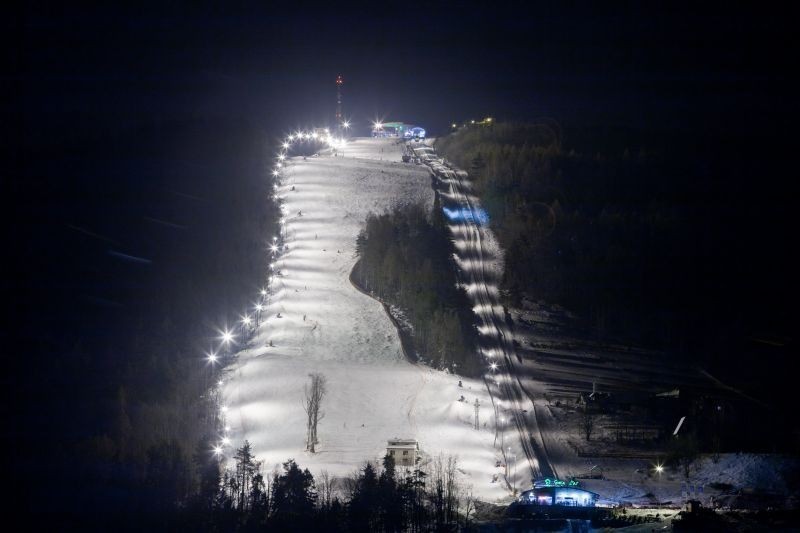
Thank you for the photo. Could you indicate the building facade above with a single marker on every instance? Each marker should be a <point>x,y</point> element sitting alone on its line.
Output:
<point>551,491</point>
<point>404,451</point>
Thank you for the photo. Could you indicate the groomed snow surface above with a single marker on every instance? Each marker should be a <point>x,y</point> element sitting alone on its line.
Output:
<point>329,327</point>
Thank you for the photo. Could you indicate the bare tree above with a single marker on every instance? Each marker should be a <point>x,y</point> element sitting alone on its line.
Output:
<point>312,401</point>
<point>444,489</point>
<point>469,505</point>
<point>588,423</point>
<point>325,485</point>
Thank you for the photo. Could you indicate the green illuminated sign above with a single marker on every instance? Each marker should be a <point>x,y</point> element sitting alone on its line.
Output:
<point>554,482</point>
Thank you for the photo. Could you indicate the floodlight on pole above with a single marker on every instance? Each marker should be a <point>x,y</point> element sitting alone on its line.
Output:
<point>226,337</point>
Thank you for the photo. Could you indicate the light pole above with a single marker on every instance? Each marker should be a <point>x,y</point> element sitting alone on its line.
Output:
<point>514,478</point>
<point>212,358</point>
<point>227,338</point>
<point>259,308</point>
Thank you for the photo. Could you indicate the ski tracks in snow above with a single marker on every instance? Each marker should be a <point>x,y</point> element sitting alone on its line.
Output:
<point>412,399</point>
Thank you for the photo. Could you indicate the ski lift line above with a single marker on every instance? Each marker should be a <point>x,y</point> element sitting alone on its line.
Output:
<point>474,239</point>
<point>513,393</point>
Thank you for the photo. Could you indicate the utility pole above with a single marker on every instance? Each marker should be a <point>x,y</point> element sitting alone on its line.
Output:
<point>477,414</point>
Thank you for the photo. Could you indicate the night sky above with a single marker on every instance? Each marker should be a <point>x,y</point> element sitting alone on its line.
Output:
<point>417,63</point>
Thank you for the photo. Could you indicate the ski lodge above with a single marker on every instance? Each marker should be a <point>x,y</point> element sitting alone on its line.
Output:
<point>550,491</point>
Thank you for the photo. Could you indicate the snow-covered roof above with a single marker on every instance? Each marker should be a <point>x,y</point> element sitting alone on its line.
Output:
<point>402,446</point>
<point>403,443</point>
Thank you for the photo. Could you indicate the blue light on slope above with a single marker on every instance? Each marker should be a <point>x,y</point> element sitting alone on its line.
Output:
<point>478,216</point>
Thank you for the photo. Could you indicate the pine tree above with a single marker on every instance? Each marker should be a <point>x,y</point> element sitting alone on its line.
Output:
<point>246,469</point>
<point>363,505</point>
<point>389,502</point>
<point>293,497</point>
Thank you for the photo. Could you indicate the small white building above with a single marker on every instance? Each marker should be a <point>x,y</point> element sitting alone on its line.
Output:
<point>404,451</point>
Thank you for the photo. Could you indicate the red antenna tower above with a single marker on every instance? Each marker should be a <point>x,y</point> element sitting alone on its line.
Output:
<point>339,82</point>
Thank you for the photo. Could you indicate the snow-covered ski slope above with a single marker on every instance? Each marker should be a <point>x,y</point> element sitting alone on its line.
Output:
<point>328,326</point>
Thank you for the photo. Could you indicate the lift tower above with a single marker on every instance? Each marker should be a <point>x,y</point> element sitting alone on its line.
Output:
<point>339,83</point>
